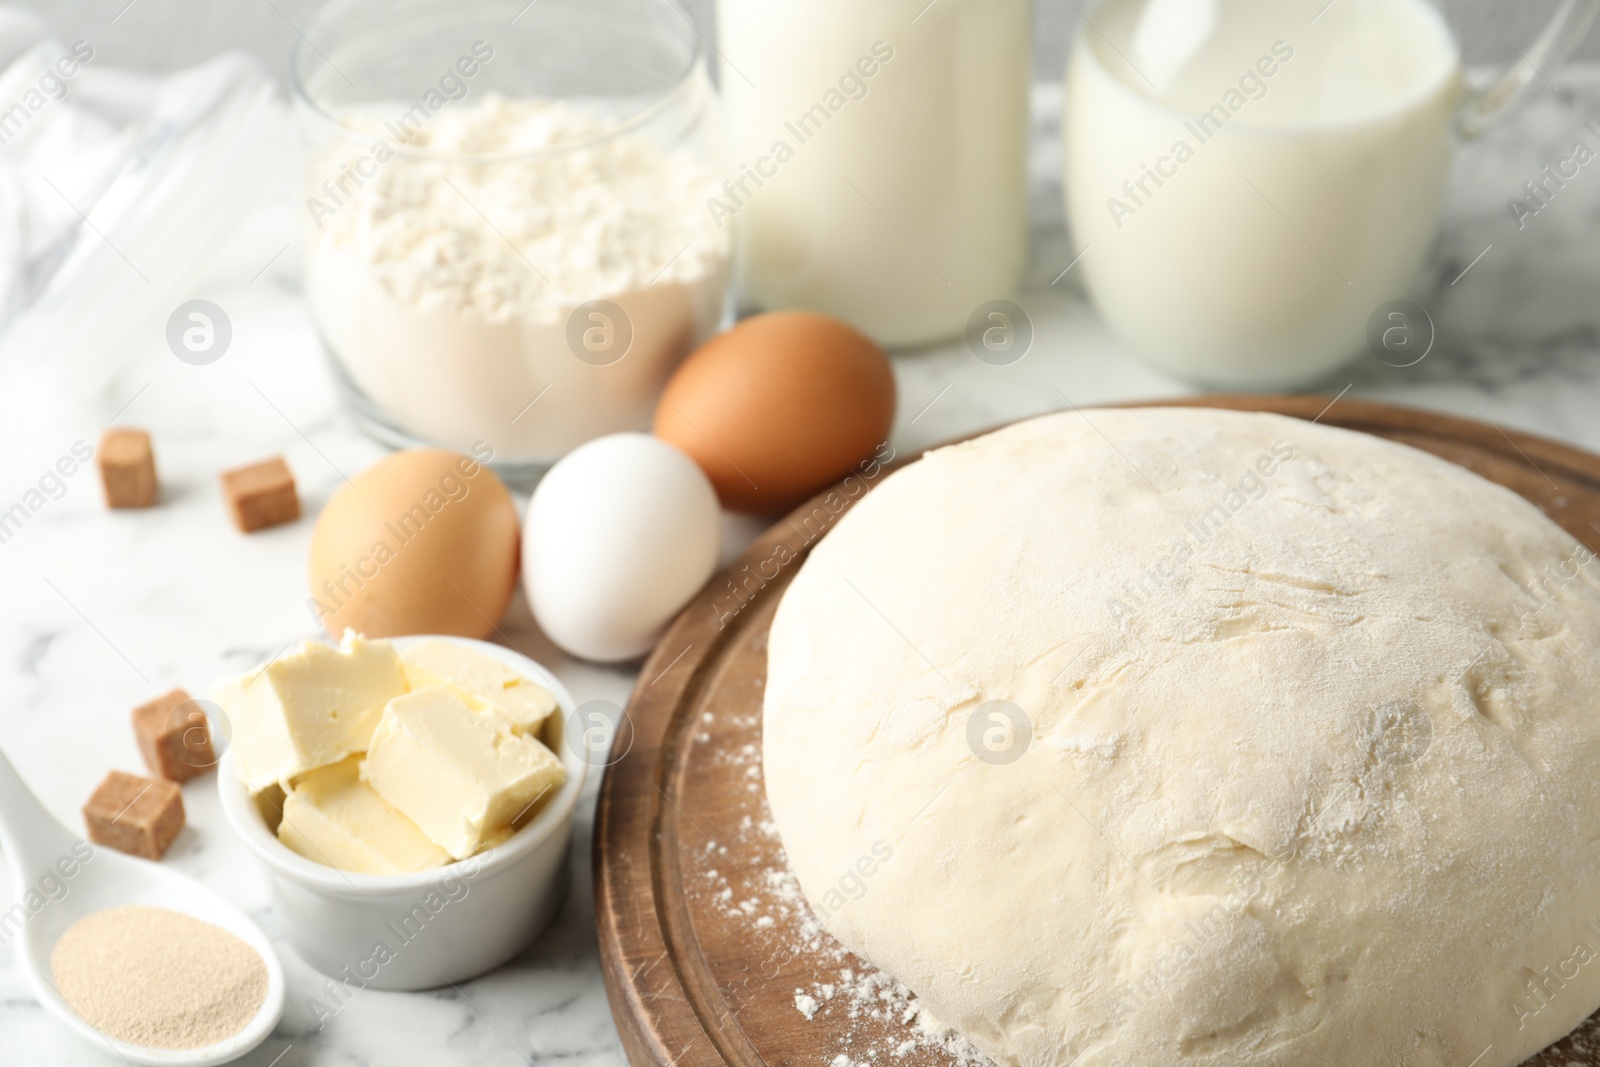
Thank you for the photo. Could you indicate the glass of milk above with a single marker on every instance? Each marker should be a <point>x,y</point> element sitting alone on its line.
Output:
<point>1249,180</point>
<point>878,157</point>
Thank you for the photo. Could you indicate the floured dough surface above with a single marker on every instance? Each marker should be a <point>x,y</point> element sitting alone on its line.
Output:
<point>1299,761</point>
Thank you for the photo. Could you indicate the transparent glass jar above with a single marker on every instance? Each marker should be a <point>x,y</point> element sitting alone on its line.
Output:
<point>506,229</point>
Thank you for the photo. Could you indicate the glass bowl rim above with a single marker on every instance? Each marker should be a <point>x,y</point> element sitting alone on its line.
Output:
<point>681,88</point>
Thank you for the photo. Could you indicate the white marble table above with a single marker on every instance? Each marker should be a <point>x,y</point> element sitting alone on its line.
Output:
<point>103,610</point>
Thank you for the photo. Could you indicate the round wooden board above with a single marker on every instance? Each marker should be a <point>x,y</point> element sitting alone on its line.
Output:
<point>702,936</point>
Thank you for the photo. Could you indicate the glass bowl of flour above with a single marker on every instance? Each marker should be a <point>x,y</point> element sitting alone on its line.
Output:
<point>507,236</point>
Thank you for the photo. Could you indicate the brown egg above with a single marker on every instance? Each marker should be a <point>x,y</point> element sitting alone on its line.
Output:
<point>421,542</point>
<point>778,407</point>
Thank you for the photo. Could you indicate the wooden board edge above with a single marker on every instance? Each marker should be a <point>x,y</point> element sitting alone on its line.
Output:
<point>636,961</point>
<point>637,964</point>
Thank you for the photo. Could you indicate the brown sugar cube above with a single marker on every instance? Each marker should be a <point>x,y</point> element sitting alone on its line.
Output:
<point>128,468</point>
<point>261,495</point>
<point>174,738</point>
<point>139,816</point>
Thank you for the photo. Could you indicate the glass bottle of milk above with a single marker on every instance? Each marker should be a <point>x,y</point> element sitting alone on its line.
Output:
<point>878,157</point>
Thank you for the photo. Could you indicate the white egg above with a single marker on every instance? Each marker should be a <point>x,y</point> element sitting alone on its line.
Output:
<point>619,535</point>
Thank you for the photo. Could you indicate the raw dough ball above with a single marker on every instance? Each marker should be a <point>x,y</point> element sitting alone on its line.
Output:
<point>1300,760</point>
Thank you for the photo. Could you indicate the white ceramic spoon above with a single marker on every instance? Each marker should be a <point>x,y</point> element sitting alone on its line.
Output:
<point>35,844</point>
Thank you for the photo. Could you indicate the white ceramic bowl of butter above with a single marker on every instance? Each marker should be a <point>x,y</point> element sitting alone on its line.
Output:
<point>433,927</point>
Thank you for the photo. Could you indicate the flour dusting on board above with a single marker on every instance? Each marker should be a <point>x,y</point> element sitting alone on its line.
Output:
<point>881,1020</point>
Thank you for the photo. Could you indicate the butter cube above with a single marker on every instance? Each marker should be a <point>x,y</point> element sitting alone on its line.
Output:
<point>496,839</point>
<point>310,708</point>
<point>332,817</point>
<point>522,702</point>
<point>460,775</point>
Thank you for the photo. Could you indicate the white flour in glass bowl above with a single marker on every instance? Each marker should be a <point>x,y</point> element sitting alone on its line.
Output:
<point>443,284</point>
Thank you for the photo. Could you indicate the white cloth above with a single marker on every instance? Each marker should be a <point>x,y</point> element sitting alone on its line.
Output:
<point>115,189</point>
